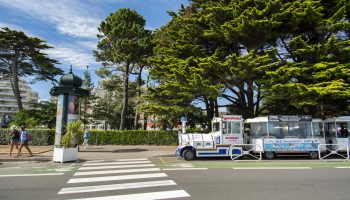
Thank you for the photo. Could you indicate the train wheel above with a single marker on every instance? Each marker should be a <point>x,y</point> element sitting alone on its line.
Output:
<point>188,154</point>
<point>269,155</point>
<point>313,155</point>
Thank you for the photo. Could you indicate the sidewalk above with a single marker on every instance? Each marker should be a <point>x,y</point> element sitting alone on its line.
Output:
<point>44,153</point>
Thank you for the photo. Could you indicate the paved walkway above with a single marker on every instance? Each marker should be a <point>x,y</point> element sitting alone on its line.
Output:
<point>44,153</point>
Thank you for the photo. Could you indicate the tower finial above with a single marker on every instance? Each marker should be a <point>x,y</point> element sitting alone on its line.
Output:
<point>71,71</point>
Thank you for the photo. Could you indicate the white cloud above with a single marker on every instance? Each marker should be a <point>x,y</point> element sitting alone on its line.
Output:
<point>88,44</point>
<point>69,56</point>
<point>69,17</point>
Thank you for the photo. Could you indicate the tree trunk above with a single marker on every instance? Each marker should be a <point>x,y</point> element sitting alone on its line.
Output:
<point>15,86</point>
<point>139,81</point>
<point>125,97</point>
<point>216,107</point>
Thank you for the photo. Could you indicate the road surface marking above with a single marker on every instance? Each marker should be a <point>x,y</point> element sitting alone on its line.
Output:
<point>132,159</point>
<point>174,169</point>
<point>144,196</point>
<point>18,175</point>
<point>115,178</point>
<point>127,159</point>
<point>121,186</point>
<point>116,163</point>
<point>115,167</point>
<point>116,171</point>
<point>271,168</point>
<point>342,167</point>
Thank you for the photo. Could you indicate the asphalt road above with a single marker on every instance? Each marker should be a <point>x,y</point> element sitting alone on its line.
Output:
<point>33,188</point>
<point>224,184</point>
<point>208,179</point>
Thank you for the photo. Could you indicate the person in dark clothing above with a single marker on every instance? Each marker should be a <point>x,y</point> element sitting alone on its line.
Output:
<point>15,137</point>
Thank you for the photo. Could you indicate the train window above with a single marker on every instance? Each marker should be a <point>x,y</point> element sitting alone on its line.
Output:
<point>233,127</point>
<point>258,130</point>
<point>317,129</point>
<point>224,127</point>
<point>216,126</point>
<point>342,130</point>
<point>330,129</point>
<point>278,129</point>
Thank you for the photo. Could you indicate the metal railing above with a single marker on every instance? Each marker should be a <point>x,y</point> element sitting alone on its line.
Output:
<point>337,151</point>
<point>249,152</point>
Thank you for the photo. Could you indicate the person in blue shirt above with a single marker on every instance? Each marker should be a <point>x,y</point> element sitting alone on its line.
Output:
<point>86,138</point>
<point>24,142</point>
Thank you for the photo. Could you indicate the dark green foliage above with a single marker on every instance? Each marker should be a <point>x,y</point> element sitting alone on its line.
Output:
<point>123,44</point>
<point>87,101</point>
<point>38,136</point>
<point>41,114</point>
<point>112,137</point>
<point>271,56</point>
<point>133,137</point>
<point>22,56</point>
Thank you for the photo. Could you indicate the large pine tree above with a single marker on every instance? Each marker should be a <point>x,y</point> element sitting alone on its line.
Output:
<point>22,56</point>
<point>123,40</point>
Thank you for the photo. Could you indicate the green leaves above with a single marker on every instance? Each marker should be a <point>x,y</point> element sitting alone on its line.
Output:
<point>270,56</point>
<point>124,44</point>
<point>22,56</point>
<point>73,131</point>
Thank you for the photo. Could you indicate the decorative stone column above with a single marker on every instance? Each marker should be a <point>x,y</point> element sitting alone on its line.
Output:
<point>69,96</point>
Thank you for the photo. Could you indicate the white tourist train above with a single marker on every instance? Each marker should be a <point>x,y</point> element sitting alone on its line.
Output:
<point>269,136</point>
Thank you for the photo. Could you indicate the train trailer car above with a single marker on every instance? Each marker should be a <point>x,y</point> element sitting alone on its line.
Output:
<point>285,134</point>
<point>226,132</point>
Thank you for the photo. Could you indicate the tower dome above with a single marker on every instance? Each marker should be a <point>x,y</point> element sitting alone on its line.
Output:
<point>70,80</point>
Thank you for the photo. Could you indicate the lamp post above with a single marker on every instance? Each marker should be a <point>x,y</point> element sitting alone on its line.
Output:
<point>69,95</point>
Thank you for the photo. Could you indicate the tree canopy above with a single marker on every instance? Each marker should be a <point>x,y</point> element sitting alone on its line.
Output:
<point>123,43</point>
<point>262,57</point>
<point>22,56</point>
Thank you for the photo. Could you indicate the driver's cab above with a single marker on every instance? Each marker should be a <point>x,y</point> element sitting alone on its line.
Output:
<point>228,129</point>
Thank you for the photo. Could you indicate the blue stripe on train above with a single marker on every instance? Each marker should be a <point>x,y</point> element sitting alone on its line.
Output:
<point>221,152</point>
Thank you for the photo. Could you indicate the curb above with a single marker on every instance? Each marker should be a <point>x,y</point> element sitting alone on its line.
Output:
<point>34,158</point>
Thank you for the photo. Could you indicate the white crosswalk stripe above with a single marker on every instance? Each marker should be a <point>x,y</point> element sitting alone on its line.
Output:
<point>116,186</point>
<point>102,177</point>
<point>116,171</point>
<point>116,163</point>
<point>115,167</point>
<point>144,196</point>
<point>116,178</point>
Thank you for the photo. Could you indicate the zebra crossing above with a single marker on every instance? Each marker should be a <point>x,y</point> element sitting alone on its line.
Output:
<point>131,179</point>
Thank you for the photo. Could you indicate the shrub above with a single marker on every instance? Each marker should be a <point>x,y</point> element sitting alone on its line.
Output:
<point>38,136</point>
<point>109,137</point>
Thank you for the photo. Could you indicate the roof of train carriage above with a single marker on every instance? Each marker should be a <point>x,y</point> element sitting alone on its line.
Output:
<point>257,119</point>
<point>228,118</point>
<point>338,119</point>
<point>265,119</point>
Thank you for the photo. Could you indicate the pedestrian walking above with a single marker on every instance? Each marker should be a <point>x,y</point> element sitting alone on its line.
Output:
<point>15,137</point>
<point>24,142</point>
<point>86,138</point>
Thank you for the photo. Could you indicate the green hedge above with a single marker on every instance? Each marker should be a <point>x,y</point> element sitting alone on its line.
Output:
<point>110,137</point>
<point>132,137</point>
<point>39,136</point>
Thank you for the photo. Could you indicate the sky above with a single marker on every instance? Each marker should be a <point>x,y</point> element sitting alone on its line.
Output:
<point>70,26</point>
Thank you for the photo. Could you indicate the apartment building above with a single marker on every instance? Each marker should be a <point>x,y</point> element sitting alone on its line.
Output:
<point>8,103</point>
